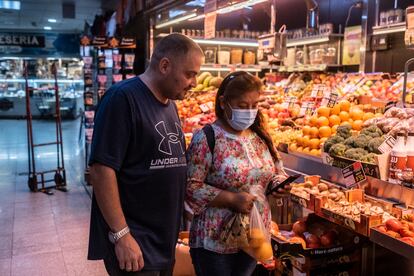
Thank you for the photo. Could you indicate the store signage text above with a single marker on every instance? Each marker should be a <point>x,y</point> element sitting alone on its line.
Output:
<point>23,40</point>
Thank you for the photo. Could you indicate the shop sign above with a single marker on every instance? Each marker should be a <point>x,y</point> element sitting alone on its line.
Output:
<point>352,44</point>
<point>22,40</point>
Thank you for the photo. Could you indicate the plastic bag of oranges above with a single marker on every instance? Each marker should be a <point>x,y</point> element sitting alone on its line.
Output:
<point>258,235</point>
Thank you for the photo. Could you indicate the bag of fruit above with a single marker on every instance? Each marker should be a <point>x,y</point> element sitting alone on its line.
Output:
<point>259,238</point>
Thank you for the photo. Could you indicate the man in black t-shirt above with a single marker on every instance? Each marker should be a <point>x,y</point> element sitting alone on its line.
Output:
<point>138,165</point>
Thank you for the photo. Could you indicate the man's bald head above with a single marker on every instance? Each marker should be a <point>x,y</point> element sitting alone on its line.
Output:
<point>173,46</point>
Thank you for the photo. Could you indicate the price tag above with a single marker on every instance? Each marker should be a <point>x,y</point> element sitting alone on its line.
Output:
<point>387,145</point>
<point>330,99</point>
<point>307,109</point>
<point>318,90</point>
<point>207,107</point>
<point>353,174</point>
<point>292,101</point>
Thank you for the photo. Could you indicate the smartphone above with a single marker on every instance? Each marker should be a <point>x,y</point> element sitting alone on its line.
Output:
<point>273,187</point>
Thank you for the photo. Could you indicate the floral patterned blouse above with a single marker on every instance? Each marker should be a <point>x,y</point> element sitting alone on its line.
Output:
<point>239,163</point>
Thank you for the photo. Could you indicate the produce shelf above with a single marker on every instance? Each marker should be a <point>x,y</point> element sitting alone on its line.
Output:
<point>392,244</point>
<point>230,67</point>
<point>389,29</point>
<point>312,40</point>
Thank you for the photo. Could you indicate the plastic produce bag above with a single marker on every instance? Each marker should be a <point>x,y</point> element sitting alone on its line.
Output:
<point>233,232</point>
<point>386,124</point>
<point>259,245</point>
<point>396,112</point>
<point>402,127</point>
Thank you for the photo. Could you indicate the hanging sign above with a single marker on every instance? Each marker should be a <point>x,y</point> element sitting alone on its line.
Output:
<point>210,11</point>
<point>127,42</point>
<point>99,41</point>
<point>352,44</point>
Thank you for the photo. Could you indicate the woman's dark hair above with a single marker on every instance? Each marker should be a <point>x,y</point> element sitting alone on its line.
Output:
<point>233,86</point>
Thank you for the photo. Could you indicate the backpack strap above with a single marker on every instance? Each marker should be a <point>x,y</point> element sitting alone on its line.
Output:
<point>211,139</point>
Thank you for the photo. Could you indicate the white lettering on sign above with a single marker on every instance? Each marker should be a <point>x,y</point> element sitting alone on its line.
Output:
<point>19,40</point>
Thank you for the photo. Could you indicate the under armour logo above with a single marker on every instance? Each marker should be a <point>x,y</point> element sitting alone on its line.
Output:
<point>169,138</point>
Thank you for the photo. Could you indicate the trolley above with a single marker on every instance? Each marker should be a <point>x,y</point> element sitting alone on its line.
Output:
<point>38,180</point>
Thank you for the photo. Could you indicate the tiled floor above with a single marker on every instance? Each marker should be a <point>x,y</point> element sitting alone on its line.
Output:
<point>43,234</point>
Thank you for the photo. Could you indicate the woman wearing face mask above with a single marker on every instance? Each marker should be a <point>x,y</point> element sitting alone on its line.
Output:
<point>219,180</point>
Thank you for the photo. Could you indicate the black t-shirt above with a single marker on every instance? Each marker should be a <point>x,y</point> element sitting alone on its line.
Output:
<point>141,139</point>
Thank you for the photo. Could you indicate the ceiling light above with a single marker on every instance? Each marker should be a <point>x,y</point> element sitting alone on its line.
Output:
<point>198,17</point>
<point>171,22</point>
<point>52,20</point>
<point>48,28</point>
<point>239,6</point>
<point>10,5</point>
<point>226,42</point>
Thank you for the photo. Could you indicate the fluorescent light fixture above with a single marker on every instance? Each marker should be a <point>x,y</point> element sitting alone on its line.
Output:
<point>239,6</point>
<point>198,17</point>
<point>171,22</point>
<point>226,43</point>
<point>307,41</point>
<point>228,69</point>
<point>389,30</point>
<point>10,5</point>
<point>47,28</point>
<point>52,20</point>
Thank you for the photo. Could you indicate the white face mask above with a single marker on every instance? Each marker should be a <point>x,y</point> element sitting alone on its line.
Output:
<point>242,119</point>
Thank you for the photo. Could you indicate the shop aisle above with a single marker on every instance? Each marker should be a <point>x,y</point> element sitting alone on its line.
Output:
<point>43,234</point>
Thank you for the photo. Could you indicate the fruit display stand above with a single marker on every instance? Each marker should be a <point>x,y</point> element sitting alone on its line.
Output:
<point>334,248</point>
<point>395,245</point>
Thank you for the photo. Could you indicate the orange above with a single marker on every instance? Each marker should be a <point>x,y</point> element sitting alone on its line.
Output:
<point>264,252</point>
<point>313,121</point>
<point>350,121</point>
<point>368,116</point>
<point>323,121</point>
<point>325,131</point>
<point>345,105</point>
<point>336,109</point>
<point>315,152</point>
<point>357,114</point>
<point>293,147</point>
<point>306,130</point>
<point>314,143</point>
<point>305,141</point>
<point>299,149</point>
<point>346,123</point>
<point>298,240</point>
<point>378,115</point>
<point>306,150</point>
<point>334,120</point>
<point>256,238</point>
<point>344,116</point>
<point>299,141</point>
<point>357,125</point>
<point>324,111</point>
<point>334,128</point>
<point>314,132</point>
<point>323,140</point>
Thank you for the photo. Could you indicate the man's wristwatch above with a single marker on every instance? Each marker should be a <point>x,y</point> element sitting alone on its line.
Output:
<point>114,237</point>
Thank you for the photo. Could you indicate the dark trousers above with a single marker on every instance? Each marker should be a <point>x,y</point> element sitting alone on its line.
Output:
<point>209,263</point>
<point>112,267</point>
